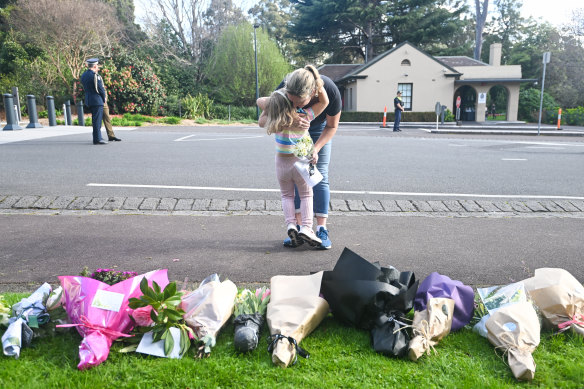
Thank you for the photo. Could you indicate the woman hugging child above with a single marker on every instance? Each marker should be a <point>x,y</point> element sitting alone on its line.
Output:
<point>281,115</point>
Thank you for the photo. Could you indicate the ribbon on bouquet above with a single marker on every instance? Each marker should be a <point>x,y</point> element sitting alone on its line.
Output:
<point>578,319</point>
<point>274,339</point>
<point>105,331</point>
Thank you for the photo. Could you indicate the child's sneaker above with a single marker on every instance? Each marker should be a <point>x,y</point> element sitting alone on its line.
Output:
<point>295,240</point>
<point>307,235</point>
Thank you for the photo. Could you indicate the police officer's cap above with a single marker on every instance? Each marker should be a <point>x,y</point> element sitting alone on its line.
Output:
<point>92,61</point>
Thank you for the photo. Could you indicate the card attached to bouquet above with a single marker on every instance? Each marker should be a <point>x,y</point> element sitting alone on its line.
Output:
<point>309,172</point>
<point>146,345</point>
<point>110,301</point>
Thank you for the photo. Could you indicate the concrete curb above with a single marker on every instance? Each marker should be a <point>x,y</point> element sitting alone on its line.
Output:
<point>38,204</point>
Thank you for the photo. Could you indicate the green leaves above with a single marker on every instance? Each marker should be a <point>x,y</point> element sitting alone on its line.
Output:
<point>165,313</point>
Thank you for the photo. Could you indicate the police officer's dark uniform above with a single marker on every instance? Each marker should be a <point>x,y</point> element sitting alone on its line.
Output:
<point>94,98</point>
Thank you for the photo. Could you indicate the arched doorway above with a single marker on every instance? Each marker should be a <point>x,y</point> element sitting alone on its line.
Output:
<point>468,99</point>
<point>497,103</point>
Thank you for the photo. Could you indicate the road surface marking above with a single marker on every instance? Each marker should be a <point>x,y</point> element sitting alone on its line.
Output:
<point>186,138</point>
<point>513,159</point>
<point>359,192</point>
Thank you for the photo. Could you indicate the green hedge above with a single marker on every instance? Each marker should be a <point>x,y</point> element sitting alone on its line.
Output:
<point>378,117</point>
<point>570,116</point>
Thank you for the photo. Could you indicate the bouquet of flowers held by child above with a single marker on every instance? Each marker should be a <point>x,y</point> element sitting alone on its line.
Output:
<point>303,149</point>
<point>250,308</point>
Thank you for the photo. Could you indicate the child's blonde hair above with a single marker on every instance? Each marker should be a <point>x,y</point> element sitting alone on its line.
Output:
<point>304,82</point>
<point>279,111</point>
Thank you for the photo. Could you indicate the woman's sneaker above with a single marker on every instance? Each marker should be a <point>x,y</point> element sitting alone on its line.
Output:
<point>322,234</point>
<point>295,240</point>
<point>307,235</point>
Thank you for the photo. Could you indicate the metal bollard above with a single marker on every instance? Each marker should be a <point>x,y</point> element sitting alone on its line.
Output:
<point>32,112</point>
<point>11,118</point>
<point>68,113</point>
<point>51,111</point>
<point>80,116</point>
<point>442,114</point>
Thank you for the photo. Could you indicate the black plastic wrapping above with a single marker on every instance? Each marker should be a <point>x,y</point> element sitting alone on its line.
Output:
<point>389,337</point>
<point>247,332</point>
<point>361,293</point>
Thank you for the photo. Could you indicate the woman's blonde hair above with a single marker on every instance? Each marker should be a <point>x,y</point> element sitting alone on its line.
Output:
<point>279,111</point>
<point>304,82</point>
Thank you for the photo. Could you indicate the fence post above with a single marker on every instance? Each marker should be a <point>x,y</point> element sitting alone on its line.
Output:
<point>68,113</point>
<point>11,119</point>
<point>80,116</point>
<point>51,111</point>
<point>33,118</point>
<point>16,99</point>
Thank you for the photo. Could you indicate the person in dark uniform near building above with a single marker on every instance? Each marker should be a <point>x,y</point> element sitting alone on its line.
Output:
<point>398,106</point>
<point>94,97</point>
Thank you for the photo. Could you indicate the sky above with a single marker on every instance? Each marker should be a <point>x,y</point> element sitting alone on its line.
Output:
<point>556,12</point>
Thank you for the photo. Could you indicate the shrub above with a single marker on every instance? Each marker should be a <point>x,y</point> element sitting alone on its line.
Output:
<point>171,120</point>
<point>197,106</point>
<point>529,101</point>
<point>43,114</point>
<point>377,117</point>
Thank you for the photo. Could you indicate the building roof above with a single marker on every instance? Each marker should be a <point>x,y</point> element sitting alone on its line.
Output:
<point>459,60</point>
<point>360,68</point>
<point>337,71</point>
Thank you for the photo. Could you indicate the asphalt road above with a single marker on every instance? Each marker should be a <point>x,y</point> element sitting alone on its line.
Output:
<point>237,162</point>
<point>248,249</point>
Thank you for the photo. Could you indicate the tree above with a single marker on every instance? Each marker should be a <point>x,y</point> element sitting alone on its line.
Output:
<point>231,71</point>
<point>67,35</point>
<point>507,27</point>
<point>481,10</point>
<point>275,18</point>
<point>353,30</point>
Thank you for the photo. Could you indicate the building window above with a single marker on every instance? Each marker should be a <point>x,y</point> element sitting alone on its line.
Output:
<point>406,62</point>
<point>406,90</point>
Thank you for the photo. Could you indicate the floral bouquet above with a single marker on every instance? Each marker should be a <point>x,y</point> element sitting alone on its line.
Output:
<point>515,330</point>
<point>100,311</point>
<point>157,311</point>
<point>494,297</point>
<point>304,147</point>
<point>294,311</point>
<point>374,298</point>
<point>559,297</point>
<point>250,308</point>
<point>430,325</point>
<point>30,312</point>
<point>440,286</point>
<point>207,309</point>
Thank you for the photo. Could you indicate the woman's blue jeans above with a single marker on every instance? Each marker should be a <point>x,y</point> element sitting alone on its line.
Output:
<point>322,194</point>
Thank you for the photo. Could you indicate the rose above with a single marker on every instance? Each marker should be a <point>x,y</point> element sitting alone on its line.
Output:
<point>142,316</point>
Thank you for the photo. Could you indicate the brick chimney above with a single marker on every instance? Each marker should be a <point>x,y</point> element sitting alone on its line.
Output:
<point>495,54</point>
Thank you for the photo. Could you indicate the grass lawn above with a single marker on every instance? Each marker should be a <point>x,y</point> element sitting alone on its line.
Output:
<point>340,357</point>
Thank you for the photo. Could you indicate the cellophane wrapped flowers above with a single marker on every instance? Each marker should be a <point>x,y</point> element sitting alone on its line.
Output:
<point>250,308</point>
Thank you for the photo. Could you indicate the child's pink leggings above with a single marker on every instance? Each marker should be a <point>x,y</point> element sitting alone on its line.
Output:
<point>288,176</point>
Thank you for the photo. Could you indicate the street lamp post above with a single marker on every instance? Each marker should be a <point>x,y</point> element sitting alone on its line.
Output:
<point>255,48</point>
<point>546,60</point>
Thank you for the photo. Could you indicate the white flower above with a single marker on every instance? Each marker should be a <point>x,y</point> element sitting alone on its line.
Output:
<point>303,146</point>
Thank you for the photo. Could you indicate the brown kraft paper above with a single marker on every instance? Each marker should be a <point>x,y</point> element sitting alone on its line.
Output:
<point>430,326</point>
<point>515,329</point>
<point>295,310</point>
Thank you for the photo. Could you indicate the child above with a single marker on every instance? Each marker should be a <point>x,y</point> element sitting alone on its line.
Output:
<point>281,114</point>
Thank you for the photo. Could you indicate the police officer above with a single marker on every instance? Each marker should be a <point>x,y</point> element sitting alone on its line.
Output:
<point>94,97</point>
